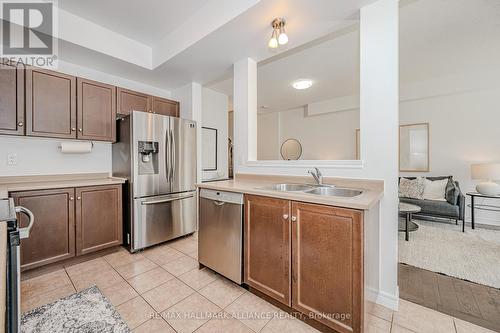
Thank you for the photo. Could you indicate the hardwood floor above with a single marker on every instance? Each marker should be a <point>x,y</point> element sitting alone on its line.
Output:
<point>468,301</point>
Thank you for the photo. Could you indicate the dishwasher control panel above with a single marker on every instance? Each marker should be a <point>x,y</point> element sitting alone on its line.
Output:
<point>229,197</point>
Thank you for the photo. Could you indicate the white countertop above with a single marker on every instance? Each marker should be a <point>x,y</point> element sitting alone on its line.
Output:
<point>42,182</point>
<point>252,184</point>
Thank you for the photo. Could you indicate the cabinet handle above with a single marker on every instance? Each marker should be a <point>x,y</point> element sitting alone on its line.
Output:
<point>294,218</point>
<point>73,129</point>
<point>150,111</point>
<point>285,216</point>
<point>20,124</point>
<point>80,130</point>
<point>71,198</point>
<point>78,198</point>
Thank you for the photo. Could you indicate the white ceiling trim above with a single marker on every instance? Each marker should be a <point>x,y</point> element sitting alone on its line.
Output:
<point>79,31</point>
<point>213,15</point>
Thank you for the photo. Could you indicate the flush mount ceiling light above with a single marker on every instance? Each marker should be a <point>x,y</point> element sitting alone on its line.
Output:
<point>278,37</point>
<point>302,84</point>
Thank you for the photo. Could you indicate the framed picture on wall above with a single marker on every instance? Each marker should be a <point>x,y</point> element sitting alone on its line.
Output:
<point>209,149</point>
<point>414,145</point>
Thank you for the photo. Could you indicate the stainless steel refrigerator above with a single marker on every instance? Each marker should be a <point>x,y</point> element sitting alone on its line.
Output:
<point>157,155</point>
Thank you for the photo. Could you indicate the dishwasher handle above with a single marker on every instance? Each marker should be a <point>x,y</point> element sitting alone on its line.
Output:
<point>218,203</point>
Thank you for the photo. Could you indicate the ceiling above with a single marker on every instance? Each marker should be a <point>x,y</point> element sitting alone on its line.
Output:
<point>332,63</point>
<point>459,36</point>
<point>169,43</point>
<point>146,21</point>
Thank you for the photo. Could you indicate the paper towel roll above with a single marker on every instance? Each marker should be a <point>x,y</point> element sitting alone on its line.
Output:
<point>75,147</point>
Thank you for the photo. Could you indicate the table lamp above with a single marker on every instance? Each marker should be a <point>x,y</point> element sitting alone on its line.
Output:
<point>487,173</point>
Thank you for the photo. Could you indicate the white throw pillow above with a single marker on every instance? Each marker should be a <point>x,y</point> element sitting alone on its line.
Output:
<point>413,188</point>
<point>435,190</point>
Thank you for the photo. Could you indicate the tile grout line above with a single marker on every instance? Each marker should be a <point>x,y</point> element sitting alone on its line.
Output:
<point>70,280</point>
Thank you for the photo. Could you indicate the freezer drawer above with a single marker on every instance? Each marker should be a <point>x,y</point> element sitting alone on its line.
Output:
<point>161,218</point>
<point>220,233</point>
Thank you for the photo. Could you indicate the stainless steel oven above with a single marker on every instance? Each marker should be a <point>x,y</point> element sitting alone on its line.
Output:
<point>13,270</point>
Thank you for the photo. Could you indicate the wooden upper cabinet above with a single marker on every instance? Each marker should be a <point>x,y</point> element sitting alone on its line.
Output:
<point>128,101</point>
<point>96,110</point>
<point>98,218</point>
<point>165,106</point>
<point>52,237</point>
<point>11,99</point>
<point>267,246</point>
<point>327,268</point>
<point>50,104</point>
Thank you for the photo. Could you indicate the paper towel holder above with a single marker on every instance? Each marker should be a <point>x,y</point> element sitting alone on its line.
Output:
<point>91,143</point>
<point>60,146</point>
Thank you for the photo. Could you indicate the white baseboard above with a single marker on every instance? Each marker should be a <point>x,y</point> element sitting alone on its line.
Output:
<point>387,300</point>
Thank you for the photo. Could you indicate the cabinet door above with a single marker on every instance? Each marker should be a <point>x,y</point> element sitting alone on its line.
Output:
<point>98,218</point>
<point>327,270</point>
<point>96,110</point>
<point>267,246</point>
<point>50,104</point>
<point>128,101</point>
<point>165,107</point>
<point>11,99</point>
<point>52,237</point>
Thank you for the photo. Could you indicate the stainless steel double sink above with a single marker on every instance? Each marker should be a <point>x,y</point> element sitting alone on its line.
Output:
<point>323,190</point>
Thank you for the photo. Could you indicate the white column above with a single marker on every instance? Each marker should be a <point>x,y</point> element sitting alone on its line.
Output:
<point>189,97</point>
<point>245,112</point>
<point>379,123</point>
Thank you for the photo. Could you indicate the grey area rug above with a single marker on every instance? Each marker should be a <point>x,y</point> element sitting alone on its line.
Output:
<point>443,248</point>
<point>85,311</point>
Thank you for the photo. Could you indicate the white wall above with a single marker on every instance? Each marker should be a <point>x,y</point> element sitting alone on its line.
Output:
<point>325,136</point>
<point>268,136</point>
<point>42,156</point>
<point>379,41</point>
<point>463,130</point>
<point>215,115</point>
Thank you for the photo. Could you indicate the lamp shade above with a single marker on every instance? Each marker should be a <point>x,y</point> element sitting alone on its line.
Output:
<point>489,171</point>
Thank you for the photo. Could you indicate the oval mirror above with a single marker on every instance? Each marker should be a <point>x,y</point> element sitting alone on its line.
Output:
<point>291,149</point>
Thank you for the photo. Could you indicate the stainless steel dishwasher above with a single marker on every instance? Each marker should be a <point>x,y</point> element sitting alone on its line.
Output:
<point>220,235</point>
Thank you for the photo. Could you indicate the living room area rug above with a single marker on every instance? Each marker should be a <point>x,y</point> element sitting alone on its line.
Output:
<point>443,248</point>
<point>84,312</point>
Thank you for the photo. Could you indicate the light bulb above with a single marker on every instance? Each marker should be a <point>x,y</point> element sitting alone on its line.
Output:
<point>273,43</point>
<point>283,38</point>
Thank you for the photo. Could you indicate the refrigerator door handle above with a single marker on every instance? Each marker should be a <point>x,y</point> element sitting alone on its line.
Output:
<point>168,162</point>
<point>25,232</point>
<point>172,156</point>
<point>153,202</point>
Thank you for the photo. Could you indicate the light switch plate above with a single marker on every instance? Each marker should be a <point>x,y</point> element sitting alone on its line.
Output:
<point>12,159</point>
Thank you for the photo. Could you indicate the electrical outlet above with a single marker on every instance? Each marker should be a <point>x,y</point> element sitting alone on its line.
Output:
<point>12,159</point>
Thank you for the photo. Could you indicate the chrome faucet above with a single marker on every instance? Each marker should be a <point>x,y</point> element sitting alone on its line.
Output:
<point>318,177</point>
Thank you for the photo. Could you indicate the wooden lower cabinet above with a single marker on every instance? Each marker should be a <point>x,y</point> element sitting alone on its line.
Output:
<point>308,257</point>
<point>69,222</point>
<point>267,246</point>
<point>52,237</point>
<point>98,218</point>
<point>327,265</point>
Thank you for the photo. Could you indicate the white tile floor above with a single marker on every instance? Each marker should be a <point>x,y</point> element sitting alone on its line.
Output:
<point>162,290</point>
